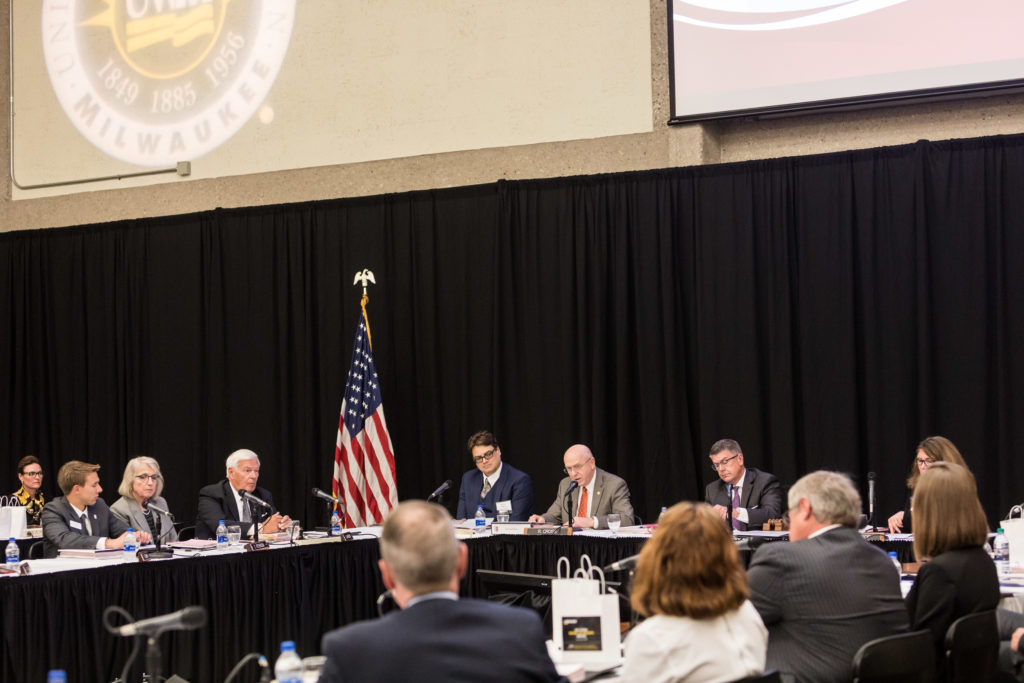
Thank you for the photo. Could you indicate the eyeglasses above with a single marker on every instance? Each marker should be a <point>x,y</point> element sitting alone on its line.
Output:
<point>33,474</point>
<point>718,465</point>
<point>924,461</point>
<point>486,456</point>
<point>575,468</point>
<point>147,477</point>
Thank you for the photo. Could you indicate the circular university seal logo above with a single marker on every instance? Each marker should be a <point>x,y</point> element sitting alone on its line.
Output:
<point>154,82</point>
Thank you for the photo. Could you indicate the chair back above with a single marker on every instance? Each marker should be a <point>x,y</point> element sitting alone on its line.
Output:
<point>35,551</point>
<point>972,648</point>
<point>906,657</point>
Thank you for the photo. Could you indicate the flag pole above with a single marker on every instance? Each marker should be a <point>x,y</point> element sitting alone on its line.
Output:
<point>364,276</point>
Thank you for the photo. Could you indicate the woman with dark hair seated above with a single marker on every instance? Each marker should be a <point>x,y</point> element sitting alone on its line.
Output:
<point>689,584</point>
<point>30,473</point>
<point>931,450</point>
<point>957,577</point>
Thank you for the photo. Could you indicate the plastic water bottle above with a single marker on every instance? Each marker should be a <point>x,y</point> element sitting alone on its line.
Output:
<point>222,536</point>
<point>481,518</point>
<point>12,552</point>
<point>288,667</point>
<point>335,524</point>
<point>661,515</point>
<point>896,563</point>
<point>130,544</point>
<point>1001,553</point>
<point>57,676</point>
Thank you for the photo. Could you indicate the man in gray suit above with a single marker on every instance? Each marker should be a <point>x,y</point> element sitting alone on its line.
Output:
<point>80,518</point>
<point>595,494</point>
<point>828,591</point>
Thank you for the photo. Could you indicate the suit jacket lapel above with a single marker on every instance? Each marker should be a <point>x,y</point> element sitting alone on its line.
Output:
<point>748,486</point>
<point>230,506</point>
<point>598,493</point>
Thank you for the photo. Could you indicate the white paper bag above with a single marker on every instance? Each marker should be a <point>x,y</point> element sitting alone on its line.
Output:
<point>1014,530</point>
<point>584,615</point>
<point>13,520</point>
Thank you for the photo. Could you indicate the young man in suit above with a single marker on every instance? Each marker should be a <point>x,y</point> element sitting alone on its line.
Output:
<point>223,500</point>
<point>596,494</point>
<point>80,518</point>
<point>435,636</point>
<point>493,484</point>
<point>756,496</point>
<point>827,591</point>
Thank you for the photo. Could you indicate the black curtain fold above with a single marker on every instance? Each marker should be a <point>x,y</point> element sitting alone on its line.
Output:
<point>826,311</point>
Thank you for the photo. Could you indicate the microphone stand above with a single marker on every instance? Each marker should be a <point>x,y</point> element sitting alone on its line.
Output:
<point>153,657</point>
<point>728,516</point>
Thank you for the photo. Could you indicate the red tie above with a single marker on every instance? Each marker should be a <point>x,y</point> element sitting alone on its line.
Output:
<point>583,504</point>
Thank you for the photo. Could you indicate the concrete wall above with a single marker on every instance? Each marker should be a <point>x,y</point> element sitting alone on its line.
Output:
<point>665,146</point>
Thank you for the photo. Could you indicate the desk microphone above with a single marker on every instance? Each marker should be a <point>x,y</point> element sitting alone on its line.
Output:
<point>568,502</point>
<point>187,619</point>
<point>326,496</point>
<point>871,497</point>
<point>245,495</point>
<point>440,489</point>
<point>622,565</point>
<point>159,509</point>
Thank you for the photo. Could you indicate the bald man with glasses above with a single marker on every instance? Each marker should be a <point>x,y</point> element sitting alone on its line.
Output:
<point>596,494</point>
<point>497,486</point>
<point>755,496</point>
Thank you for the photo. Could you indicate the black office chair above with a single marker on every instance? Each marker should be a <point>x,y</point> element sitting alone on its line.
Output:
<point>972,648</point>
<point>770,676</point>
<point>35,551</point>
<point>187,533</point>
<point>903,658</point>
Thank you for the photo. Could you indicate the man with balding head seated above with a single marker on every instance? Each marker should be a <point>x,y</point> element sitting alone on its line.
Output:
<point>436,636</point>
<point>594,495</point>
<point>827,591</point>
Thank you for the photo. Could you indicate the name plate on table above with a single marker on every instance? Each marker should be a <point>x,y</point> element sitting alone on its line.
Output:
<point>257,545</point>
<point>549,531</point>
<point>510,528</point>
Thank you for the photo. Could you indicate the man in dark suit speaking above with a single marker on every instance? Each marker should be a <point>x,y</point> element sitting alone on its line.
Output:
<point>436,636</point>
<point>496,485</point>
<point>756,496</point>
<point>80,518</point>
<point>224,500</point>
<point>828,591</point>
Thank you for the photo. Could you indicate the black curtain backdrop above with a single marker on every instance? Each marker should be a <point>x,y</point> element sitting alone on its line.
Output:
<point>826,311</point>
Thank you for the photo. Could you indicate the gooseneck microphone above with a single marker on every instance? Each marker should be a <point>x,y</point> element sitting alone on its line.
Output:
<point>568,502</point>
<point>326,496</point>
<point>440,489</point>
<point>622,565</point>
<point>871,497</point>
<point>187,619</point>
<point>245,495</point>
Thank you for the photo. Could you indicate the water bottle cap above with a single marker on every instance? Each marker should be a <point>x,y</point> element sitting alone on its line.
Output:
<point>892,553</point>
<point>288,645</point>
<point>131,530</point>
<point>479,507</point>
<point>12,539</point>
<point>220,522</point>
<point>57,676</point>
<point>999,530</point>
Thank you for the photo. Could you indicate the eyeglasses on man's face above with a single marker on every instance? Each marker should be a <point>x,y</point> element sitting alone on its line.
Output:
<point>571,469</point>
<point>484,456</point>
<point>145,478</point>
<point>722,463</point>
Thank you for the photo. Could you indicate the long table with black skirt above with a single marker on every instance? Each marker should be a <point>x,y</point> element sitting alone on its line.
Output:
<point>254,601</point>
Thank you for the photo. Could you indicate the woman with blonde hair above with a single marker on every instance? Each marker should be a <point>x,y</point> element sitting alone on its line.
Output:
<point>957,577</point>
<point>931,450</point>
<point>700,625</point>
<point>140,505</point>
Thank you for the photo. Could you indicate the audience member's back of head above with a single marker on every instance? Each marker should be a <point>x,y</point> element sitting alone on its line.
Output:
<point>833,498</point>
<point>947,512</point>
<point>690,567</point>
<point>419,546</point>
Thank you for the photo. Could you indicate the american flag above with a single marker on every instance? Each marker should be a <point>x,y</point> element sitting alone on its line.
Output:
<point>364,462</point>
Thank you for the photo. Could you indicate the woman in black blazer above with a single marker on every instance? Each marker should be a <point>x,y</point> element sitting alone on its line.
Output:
<point>958,577</point>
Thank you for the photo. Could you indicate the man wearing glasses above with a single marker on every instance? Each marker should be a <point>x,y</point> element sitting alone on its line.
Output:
<point>594,495</point>
<point>30,473</point>
<point>755,496</point>
<point>498,486</point>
